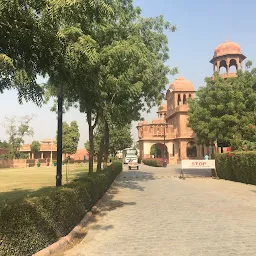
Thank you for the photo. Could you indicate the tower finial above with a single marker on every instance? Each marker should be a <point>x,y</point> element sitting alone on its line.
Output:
<point>227,39</point>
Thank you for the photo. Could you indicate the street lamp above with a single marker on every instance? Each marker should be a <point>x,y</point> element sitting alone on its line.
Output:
<point>59,137</point>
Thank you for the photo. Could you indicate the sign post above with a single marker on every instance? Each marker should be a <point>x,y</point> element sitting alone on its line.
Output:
<point>197,164</point>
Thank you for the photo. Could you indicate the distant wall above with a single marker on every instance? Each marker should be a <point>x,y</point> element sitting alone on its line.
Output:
<point>4,151</point>
<point>16,163</point>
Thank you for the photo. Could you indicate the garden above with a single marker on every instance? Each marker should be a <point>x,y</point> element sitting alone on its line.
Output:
<point>32,220</point>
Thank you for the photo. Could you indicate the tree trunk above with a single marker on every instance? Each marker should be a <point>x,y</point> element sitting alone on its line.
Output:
<point>91,143</point>
<point>106,143</point>
<point>100,153</point>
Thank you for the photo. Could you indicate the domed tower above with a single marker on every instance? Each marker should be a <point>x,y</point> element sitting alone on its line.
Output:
<point>177,114</point>
<point>227,55</point>
<point>180,90</point>
<point>162,110</point>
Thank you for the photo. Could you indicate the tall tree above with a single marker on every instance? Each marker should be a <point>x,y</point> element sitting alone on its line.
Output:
<point>4,144</point>
<point>120,137</point>
<point>78,55</point>
<point>127,73</point>
<point>35,146</point>
<point>23,52</point>
<point>70,137</point>
<point>224,110</point>
<point>17,132</point>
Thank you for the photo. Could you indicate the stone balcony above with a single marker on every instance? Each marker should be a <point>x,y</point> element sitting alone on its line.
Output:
<point>180,108</point>
<point>156,132</point>
<point>226,75</point>
<point>186,135</point>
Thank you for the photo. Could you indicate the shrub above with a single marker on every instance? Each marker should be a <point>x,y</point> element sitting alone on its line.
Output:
<point>4,157</point>
<point>73,161</point>
<point>153,162</point>
<point>114,159</point>
<point>33,223</point>
<point>237,166</point>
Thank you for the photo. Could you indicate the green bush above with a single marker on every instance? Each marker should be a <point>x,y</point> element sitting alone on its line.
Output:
<point>4,157</point>
<point>114,159</point>
<point>33,223</point>
<point>237,166</point>
<point>153,162</point>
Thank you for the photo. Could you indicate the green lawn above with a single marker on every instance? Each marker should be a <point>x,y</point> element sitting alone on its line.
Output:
<point>20,182</point>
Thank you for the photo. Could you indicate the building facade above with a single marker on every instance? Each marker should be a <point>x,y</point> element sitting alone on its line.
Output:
<point>48,150</point>
<point>169,132</point>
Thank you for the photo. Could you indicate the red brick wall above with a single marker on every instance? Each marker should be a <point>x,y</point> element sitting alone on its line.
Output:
<point>16,163</point>
<point>3,151</point>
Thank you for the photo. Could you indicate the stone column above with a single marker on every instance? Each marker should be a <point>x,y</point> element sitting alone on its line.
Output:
<point>33,156</point>
<point>238,64</point>
<point>218,65</point>
<point>183,150</point>
<point>42,155</point>
<point>228,63</point>
<point>141,143</point>
<point>175,100</point>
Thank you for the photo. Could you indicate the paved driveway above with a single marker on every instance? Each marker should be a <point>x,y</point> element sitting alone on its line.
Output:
<point>153,212</point>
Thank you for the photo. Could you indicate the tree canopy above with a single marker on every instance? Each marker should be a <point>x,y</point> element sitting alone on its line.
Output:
<point>114,66</point>
<point>17,129</point>
<point>102,56</point>
<point>119,138</point>
<point>35,146</point>
<point>4,144</point>
<point>224,110</point>
<point>70,137</point>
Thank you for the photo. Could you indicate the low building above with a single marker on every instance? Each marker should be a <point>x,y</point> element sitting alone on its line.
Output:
<point>48,150</point>
<point>81,154</point>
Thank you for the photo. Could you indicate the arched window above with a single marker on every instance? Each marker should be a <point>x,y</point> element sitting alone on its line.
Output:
<point>189,95</point>
<point>191,149</point>
<point>232,66</point>
<point>223,67</point>
<point>184,99</point>
<point>179,100</point>
<point>173,150</point>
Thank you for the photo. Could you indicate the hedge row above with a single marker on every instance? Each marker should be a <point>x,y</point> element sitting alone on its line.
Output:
<point>33,223</point>
<point>237,166</point>
<point>153,162</point>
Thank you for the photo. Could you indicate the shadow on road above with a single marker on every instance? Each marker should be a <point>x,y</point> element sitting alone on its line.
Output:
<point>195,173</point>
<point>130,179</point>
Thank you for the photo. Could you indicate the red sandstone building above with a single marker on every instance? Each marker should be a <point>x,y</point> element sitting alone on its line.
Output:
<point>48,150</point>
<point>171,122</point>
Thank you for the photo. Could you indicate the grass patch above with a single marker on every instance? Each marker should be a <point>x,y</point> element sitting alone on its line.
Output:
<point>33,222</point>
<point>19,182</point>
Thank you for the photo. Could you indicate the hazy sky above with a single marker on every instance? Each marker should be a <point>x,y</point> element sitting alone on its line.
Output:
<point>201,26</point>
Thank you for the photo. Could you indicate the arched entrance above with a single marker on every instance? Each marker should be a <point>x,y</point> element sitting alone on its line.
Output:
<point>158,150</point>
<point>191,149</point>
